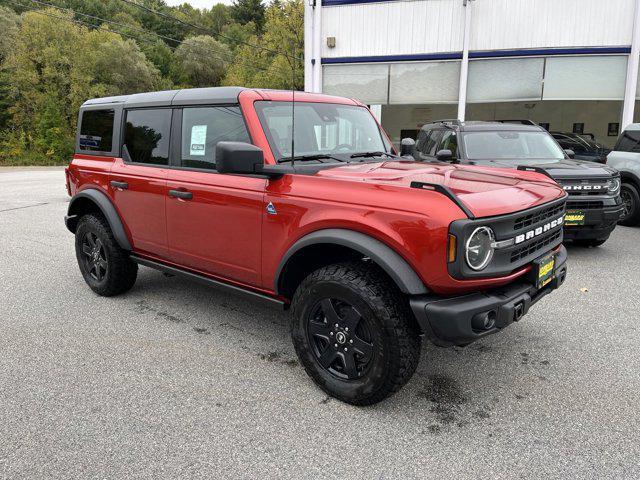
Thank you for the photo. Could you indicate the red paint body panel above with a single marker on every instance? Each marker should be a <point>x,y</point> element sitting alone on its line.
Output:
<point>219,230</point>
<point>225,232</point>
<point>142,205</point>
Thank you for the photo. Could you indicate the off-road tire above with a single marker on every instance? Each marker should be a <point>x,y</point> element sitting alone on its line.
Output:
<point>393,331</point>
<point>120,272</point>
<point>633,218</point>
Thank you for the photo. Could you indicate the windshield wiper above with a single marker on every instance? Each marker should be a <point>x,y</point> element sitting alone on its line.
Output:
<point>304,158</point>
<point>373,154</point>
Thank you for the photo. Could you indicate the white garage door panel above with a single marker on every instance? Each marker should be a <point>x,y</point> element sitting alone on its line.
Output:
<point>429,82</point>
<point>585,78</point>
<point>367,83</point>
<point>514,79</point>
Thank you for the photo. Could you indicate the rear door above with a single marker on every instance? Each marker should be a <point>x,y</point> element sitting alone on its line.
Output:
<point>138,180</point>
<point>213,220</point>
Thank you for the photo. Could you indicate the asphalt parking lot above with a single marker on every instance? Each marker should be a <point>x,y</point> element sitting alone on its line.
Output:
<point>175,379</point>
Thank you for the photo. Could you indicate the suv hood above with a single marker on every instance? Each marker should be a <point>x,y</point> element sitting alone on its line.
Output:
<point>485,191</point>
<point>567,168</point>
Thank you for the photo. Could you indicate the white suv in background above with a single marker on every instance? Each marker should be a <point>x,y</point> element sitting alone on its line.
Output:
<point>625,157</point>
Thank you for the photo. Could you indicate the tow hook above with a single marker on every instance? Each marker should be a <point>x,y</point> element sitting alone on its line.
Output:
<point>518,311</point>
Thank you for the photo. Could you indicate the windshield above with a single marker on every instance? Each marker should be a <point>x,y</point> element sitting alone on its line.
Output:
<point>320,129</point>
<point>511,145</point>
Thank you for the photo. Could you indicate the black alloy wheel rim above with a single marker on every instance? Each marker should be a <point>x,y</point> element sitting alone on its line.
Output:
<point>627,203</point>
<point>341,338</point>
<point>95,256</point>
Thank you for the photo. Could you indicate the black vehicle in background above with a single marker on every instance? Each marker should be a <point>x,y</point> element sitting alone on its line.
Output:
<point>583,145</point>
<point>594,205</point>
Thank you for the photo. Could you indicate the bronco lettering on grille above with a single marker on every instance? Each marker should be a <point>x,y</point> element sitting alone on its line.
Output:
<point>539,230</point>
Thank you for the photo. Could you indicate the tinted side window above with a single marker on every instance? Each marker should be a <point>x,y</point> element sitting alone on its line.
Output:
<point>147,135</point>
<point>96,130</point>
<point>203,128</point>
<point>628,142</point>
<point>428,141</point>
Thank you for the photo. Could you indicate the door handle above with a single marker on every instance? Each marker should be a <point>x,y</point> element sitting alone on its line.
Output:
<point>181,194</point>
<point>122,185</point>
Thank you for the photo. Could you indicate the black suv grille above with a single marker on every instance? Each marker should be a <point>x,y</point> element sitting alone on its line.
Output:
<point>538,217</point>
<point>588,205</point>
<point>521,237</point>
<point>595,186</point>
<point>534,247</point>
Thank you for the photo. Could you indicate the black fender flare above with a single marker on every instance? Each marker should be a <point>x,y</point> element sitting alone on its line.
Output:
<point>384,256</point>
<point>105,206</point>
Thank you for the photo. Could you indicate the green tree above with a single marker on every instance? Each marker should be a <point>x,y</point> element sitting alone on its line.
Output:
<point>260,67</point>
<point>201,61</point>
<point>54,66</point>
<point>9,29</point>
<point>217,18</point>
<point>245,11</point>
<point>236,34</point>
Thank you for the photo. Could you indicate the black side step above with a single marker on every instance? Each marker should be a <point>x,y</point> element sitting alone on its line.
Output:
<point>446,191</point>
<point>205,280</point>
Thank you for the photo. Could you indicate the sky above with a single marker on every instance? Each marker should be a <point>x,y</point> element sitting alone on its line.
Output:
<point>198,3</point>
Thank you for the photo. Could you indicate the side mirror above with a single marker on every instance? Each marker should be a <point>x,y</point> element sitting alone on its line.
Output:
<point>406,147</point>
<point>444,155</point>
<point>570,153</point>
<point>238,157</point>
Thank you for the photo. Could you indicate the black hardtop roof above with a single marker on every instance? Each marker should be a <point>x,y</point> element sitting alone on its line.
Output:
<point>482,126</point>
<point>189,96</point>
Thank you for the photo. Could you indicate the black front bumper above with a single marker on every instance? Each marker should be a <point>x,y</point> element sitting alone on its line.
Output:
<point>454,321</point>
<point>599,222</point>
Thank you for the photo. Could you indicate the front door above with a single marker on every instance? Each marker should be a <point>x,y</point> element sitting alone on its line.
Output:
<point>138,182</point>
<point>213,220</point>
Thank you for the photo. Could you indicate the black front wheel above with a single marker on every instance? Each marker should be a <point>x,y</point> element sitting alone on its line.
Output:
<point>354,333</point>
<point>631,205</point>
<point>105,266</point>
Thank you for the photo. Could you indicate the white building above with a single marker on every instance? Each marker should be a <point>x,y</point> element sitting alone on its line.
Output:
<point>571,64</point>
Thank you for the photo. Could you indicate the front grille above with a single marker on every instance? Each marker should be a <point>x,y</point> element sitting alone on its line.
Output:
<point>533,247</point>
<point>538,217</point>
<point>588,205</point>
<point>595,186</point>
<point>521,237</point>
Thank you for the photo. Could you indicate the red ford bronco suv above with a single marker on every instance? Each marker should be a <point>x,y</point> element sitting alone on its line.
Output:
<point>369,250</point>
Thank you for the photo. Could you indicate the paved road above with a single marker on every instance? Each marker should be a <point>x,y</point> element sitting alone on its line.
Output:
<point>177,380</point>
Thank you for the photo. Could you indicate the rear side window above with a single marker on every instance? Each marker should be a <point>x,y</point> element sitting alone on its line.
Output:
<point>203,128</point>
<point>96,130</point>
<point>146,135</point>
<point>629,142</point>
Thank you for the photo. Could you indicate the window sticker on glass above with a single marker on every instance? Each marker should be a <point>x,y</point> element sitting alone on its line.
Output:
<point>198,140</point>
<point>90,141</point>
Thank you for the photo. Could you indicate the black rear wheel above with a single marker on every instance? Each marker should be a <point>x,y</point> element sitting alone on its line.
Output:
<point>631,205</point>
<point>354,333</point>
<point>105,266</point>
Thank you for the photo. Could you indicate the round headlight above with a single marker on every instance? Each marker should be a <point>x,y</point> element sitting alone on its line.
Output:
<point>479,248</point>
<point>614,185</point>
